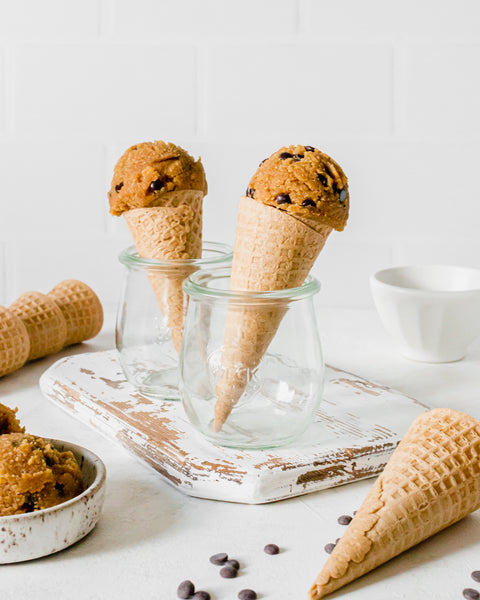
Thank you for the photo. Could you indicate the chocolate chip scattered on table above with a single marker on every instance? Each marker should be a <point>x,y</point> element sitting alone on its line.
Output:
<point>201,596</point>
<point>271,549</point>
<point>219,559</point>
<point>247,595</point>
<point>471,594</point>
<point>186,589</point>
<point>329,548</point>
<point>228,572</point>
<point>476,576</point>
<point>344,520</point>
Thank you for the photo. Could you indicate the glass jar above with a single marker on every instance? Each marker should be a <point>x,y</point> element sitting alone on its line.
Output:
<point>251,365</point>
<point>151,317</point>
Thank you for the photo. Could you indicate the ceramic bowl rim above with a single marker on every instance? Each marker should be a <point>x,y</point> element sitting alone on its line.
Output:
<point>402,289</point>
<point>96,485</point>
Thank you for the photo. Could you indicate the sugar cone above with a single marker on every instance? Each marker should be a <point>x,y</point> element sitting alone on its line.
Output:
<point>273,251</point>
<point>431,481</point>
<point>14,342</point>
<point>169,232</point>
<point>81,309</point>
<point>44,322</point>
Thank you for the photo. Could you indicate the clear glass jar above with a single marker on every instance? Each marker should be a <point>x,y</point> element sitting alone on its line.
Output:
<point>151,317</point>
<point>267,343</point>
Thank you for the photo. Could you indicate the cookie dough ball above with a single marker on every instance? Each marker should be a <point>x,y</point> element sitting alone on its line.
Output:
<point>8,421</point>
<point>34,475</point>
<point>147,171</point>
<point>305,182</point>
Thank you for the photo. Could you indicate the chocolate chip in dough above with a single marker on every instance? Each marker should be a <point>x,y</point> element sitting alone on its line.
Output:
<point>250,192</point>
<point>476,575</point>
<point>297,157</point>
<point>118,187</point>
<point>309,202</point>
<point>219,559</point>
<point>470,594</point>
<point>309,149</point>
<point>271,549</point>
<point>156,185</point>
<point>322,179</point>
<point>285,155</point>
<point>228,572</point>
<point>186,589</point>
<point>283,199</point>
<point>329,548</point>
<point>344,520</point>
<point>247,595</point>
<point>343,195</point>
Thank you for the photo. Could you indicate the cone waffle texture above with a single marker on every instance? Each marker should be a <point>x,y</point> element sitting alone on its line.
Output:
<point>14,342</point>
<point>273,251</point>
<point>169,232</point>
<point>431,481</point>
<point>81,309</point>
<point>44,322</point>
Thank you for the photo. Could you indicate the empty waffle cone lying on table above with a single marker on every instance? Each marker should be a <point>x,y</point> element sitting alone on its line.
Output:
<point>81,309</point>
<point>14,342</point>
<point>431,481</point>
<point>283,223</point>
<point>44,321</point>
<point>159,188</point>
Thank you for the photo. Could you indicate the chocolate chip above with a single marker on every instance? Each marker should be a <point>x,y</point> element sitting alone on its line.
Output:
<point>250,192</point>
<point>309,149</point>
<point>262,162</point>
<point>60,490</point>
<point>284,155</point>
<point>228,572</point>
<point>271,549</point>
<point>29,504</point>
<point>219,559</point>
<point>201,596</point>
<point>247,595</point>
<point>156,185</point>
<point>329,548</point>
<point>48,462</point>
<point>232,563</point>
<point>355,512</point>
<point>297,157</point>
<point>309,202</point>
<point>118,187</point>
<point>470,594</point>
<point>186,589</point>
<point>343,195</point>
<point>283,199</point>
<point>322,179</point>
<point>344,520</point>
<point>476,575</point>
<point>336,541</point>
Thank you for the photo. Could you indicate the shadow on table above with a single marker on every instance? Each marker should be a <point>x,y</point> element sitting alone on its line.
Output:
<point>457,537</point>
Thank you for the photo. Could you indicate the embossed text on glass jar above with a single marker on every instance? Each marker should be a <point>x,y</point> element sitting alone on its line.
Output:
<point>278,385</point>
<point>151,317</point>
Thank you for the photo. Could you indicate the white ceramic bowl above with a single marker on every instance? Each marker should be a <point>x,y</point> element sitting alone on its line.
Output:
<point>43,532</point>
<point>432,311</point>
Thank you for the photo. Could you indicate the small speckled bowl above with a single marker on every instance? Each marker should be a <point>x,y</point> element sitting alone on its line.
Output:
<point>43,532</point>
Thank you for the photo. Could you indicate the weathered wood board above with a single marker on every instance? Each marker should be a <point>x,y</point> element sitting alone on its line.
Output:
<point>357,427</point>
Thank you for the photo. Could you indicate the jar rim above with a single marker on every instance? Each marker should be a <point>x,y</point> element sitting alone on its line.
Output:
<point>195,285</point>
<point>221,253</point>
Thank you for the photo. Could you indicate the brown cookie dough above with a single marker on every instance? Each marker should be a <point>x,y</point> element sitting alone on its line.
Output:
<point>304,182</point>
<point>8,421</point>
<point>147,171</point>
<point>34,475</point>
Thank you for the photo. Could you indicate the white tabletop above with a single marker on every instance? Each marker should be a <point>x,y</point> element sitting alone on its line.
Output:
<point>151,537</point>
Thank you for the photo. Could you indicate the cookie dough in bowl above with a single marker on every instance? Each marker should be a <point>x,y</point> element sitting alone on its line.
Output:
<point>43,506</point>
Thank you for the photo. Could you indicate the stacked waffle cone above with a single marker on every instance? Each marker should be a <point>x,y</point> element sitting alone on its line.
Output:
<point>431,481</point>
<point>36,324</point>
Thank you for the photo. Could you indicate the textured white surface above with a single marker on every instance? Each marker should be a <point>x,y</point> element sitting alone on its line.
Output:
<point>355,430</point>
<point>150,537</point>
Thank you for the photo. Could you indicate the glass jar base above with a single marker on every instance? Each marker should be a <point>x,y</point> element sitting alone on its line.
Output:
<point>157,385</point>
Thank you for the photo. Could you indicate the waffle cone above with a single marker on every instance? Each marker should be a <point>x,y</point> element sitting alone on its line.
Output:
<point>14,342</point>
<point>81,309</point>
<point>44,322</point>
<point>431,481</point>
<point>169,232</point>
<point>273,251</point>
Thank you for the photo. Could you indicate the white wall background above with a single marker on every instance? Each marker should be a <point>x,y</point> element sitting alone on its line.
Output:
<point>389,88</point>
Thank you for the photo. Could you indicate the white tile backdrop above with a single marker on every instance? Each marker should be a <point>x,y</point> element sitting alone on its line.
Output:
<point>390,88</point>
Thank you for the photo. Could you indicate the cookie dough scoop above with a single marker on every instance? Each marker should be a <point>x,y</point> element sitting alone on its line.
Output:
<point>159,188</point>
<point>293,202</point>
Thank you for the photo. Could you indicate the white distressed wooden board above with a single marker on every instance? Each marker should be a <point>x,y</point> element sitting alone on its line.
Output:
<point>357,427</point>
